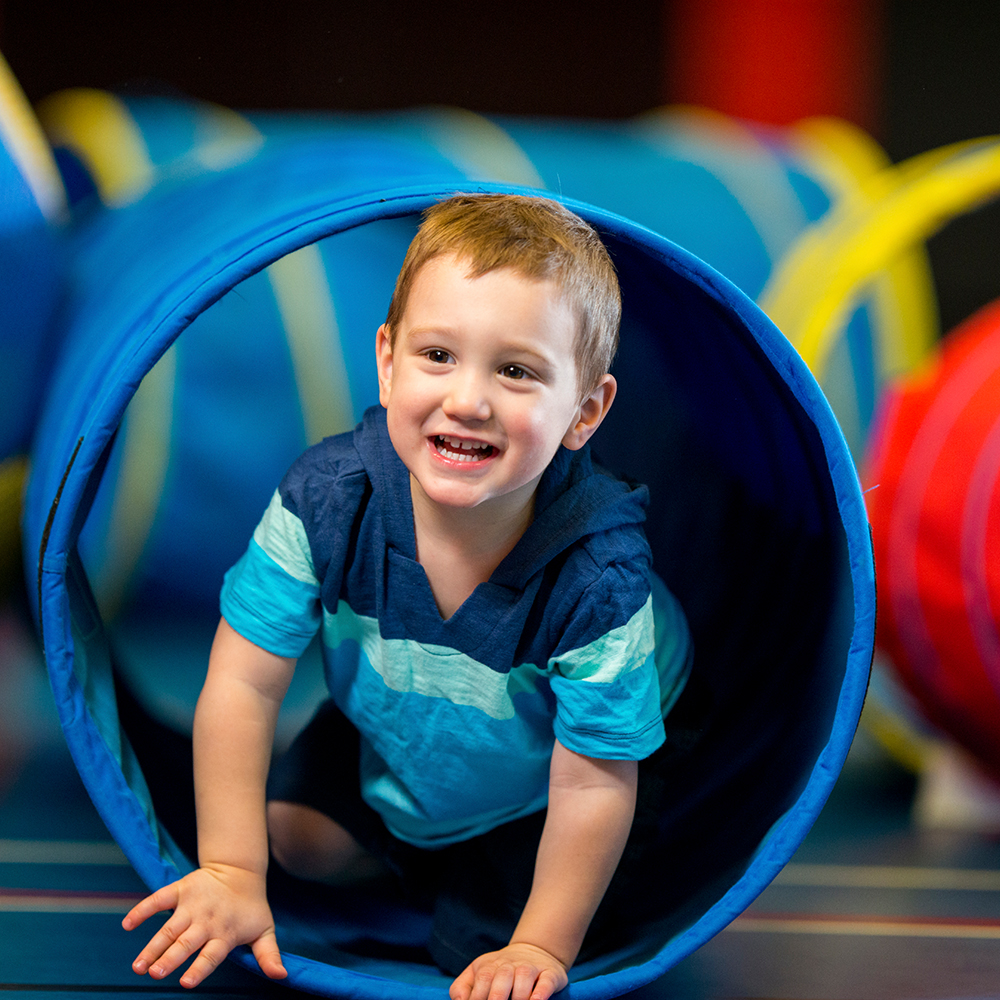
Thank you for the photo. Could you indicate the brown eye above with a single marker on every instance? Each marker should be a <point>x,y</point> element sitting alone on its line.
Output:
<point>513,371</point>
<point>438,356</point>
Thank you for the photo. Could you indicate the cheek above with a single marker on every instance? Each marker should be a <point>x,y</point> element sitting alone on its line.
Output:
<point>400,418</point>
<point>539,431</point>
<point>408,412</point>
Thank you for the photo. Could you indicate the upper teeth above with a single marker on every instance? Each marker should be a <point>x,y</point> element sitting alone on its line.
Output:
<point>459,443</point>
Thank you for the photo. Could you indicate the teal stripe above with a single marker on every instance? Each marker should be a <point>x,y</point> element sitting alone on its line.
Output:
<point>282,537</point>
<point>293,605</point>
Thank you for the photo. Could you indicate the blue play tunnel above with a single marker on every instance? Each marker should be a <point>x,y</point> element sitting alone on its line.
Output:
<point>155,419</point>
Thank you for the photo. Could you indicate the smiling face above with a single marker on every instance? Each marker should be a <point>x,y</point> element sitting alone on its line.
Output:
<point>480,386</point>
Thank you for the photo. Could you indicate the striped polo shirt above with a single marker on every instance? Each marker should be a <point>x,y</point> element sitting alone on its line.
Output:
<point>572,637</point>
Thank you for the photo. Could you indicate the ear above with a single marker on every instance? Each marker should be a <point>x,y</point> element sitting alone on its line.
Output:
<point>383,360</point>
<point>592,412</point>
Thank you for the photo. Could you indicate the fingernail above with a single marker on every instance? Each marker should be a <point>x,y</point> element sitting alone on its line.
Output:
<point>139,965</point>
<point>157,972</point>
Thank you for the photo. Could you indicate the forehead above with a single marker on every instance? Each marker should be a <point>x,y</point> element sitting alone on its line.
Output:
<point>455,266</point>
<point>446,287</point>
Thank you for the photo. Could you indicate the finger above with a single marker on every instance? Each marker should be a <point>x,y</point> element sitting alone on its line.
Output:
<point>493,982</point>
<point>549,982</point>
<point>162,899</point>
<point>461,988</point>
<point>525,978</point>
<point>207,961</point>
<point>503,982</point>
<point>265,950</point>
<point>159,943</point>
<point>185,945</point>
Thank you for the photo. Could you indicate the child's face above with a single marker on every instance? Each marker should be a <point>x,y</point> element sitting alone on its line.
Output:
<point>481,386</point>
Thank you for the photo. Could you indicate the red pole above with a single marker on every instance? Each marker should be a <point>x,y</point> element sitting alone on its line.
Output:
<point>776,61</point>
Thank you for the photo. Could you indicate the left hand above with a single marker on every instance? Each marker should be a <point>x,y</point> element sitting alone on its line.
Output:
<point>519,971</point>
<point>215,909</point>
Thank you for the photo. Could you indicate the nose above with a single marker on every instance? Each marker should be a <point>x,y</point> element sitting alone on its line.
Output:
<point>467,398</point>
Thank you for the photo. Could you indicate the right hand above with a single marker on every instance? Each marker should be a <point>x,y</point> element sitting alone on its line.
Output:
<point>521,971</point>
<point>216,908</point>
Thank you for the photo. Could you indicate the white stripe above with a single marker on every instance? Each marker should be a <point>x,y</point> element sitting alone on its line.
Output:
<point>434,671</point>
<point>862,927</point>
<point>281,535</point>
<point>890,877</point>
<point>606,658</point>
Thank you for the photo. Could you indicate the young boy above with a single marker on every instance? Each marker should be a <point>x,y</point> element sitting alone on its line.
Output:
<point>484,597</point>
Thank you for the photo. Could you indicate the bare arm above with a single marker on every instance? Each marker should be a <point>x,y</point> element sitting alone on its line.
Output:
<point>591,805</point>
<point>223,903</point>
<point>233,738</point>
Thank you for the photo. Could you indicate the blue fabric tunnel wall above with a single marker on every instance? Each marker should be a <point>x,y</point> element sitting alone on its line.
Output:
<point>756,523</point>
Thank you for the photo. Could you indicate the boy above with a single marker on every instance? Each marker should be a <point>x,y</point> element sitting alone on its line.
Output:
<point>484,595</point>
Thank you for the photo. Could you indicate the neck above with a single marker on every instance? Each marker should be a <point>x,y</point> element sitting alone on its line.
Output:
<point>460,547</point>
<point>477,531</point>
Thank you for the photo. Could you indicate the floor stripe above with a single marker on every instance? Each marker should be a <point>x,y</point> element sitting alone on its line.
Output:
<point>55,901</point>
<point>867,926</point>
<point>159,989</point>
<point>889,877</point>
<point>61,852</point>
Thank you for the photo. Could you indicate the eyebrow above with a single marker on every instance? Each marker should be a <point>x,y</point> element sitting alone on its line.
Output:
<point>543,365</point>
<point>416,332</point>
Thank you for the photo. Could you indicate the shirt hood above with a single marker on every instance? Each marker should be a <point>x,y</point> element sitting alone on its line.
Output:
<point>575,498</point>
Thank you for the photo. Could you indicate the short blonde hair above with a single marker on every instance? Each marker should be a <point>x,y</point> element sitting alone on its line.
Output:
<point>538,238</point>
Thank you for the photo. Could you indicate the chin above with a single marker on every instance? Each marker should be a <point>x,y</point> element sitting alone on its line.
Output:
<point>457,499</point>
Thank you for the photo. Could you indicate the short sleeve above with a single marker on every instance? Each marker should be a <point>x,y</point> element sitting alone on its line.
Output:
<point>604,674</point>
<point>271,596</point>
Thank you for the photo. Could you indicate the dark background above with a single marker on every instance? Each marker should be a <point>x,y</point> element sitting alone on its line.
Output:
<point>935,72</point>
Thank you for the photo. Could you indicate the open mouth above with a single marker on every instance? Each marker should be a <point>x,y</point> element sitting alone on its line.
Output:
<point>459,450</point>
